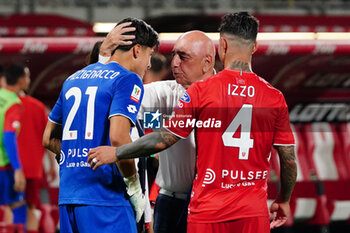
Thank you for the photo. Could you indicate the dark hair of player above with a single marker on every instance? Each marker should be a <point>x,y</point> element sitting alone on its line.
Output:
<point>240,24</point>
<point>145,35</point>
<point>13,73</point>
<point>93,56</point>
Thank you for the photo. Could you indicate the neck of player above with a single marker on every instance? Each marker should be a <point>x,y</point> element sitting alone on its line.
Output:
<point>238,58</point>
<point>239,63</point>
<point>14,88</point>
<point>125,60</point>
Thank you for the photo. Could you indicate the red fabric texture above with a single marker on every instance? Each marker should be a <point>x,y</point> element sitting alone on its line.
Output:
<point>30,146</point>
<point>247,225</point>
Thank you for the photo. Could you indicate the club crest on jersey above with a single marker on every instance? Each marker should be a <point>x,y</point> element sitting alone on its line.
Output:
<point>152,120</point>
<point>186,98</point>
<point>136,94</point>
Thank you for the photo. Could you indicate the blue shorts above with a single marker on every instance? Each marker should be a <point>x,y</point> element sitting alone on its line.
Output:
<point>87,219</point>
<point>7,194</point>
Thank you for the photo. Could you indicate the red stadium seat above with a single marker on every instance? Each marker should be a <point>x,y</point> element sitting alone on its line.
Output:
<point>326,150</point>
<point>344,134</point>
<point>310,203</point>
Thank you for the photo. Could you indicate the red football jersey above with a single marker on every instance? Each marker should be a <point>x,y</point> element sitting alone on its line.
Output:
<point>31,150</point>
<point>13,118</point>
<point>237,118</point>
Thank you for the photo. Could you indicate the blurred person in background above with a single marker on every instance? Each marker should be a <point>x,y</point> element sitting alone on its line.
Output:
<point>229,192</point>
<point>158,70</point>
<point>12,180</point>
<point>31,152</point>
<point>193,60</point>
<point>98,105</point>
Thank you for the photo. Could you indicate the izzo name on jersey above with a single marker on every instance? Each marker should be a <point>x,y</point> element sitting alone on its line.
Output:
<point>243,91</point>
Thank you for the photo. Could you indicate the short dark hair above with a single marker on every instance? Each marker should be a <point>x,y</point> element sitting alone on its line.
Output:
<point>145,35</point>
<point>241,24</point>
<point>13,73</point>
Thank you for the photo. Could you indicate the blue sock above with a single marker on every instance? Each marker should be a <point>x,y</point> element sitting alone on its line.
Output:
<point>20,214</point>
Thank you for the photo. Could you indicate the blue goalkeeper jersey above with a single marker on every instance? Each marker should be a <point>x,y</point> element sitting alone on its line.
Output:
<point>88,99</point>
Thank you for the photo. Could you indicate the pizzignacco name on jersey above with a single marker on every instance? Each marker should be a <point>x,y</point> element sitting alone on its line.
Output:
<point>210,123</point>
<point>94,74</point>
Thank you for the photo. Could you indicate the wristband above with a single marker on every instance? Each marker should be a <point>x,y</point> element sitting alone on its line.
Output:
<point>133,184</point>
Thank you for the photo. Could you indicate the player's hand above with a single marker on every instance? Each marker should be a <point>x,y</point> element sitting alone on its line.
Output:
<point>137,199</point>
<point>20,181</point>
<point>101,155</point>
<point>281,211</point>
<point>116,38</point>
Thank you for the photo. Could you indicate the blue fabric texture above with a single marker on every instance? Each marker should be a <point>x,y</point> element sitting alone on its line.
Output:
<point>87,219</point>
<point>10,144</point>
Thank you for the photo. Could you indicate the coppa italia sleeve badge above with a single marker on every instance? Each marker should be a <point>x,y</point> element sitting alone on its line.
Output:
<point>136,94</point>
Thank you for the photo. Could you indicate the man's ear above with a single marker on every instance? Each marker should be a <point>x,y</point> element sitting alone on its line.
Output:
<point>207,64</point>
<point>256,45</point>
<point>223,42</point>
<point>136,50</point>
<point>222,48</point>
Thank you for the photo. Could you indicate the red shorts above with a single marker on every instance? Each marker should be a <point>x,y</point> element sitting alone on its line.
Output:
<point>244,225</point>
<point>33,191</point>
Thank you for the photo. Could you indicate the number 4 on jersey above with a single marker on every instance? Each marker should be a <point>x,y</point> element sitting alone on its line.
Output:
<point>244,142</point>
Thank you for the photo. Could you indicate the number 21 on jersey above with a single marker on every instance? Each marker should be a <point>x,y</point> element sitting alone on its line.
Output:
<point>90,113</point>
<point>244,119</point>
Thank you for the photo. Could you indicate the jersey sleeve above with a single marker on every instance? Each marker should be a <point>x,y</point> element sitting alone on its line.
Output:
<point>283,135</point>
<point>56,115</point>
<point>185,114</point>
<point>13,118</point>
<point>127,97</point>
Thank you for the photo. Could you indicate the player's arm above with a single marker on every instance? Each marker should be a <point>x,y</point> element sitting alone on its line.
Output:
<point>52,137</point>
<point>115,38</point>
<point>11,128</point>
<point>284,143</point>
<point>288,171</point>
<point>119,135</point>
<point>142,147</point>
<point>288,179</point>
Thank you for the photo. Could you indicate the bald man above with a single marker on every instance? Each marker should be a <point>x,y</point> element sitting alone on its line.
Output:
<point>193,60</point>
